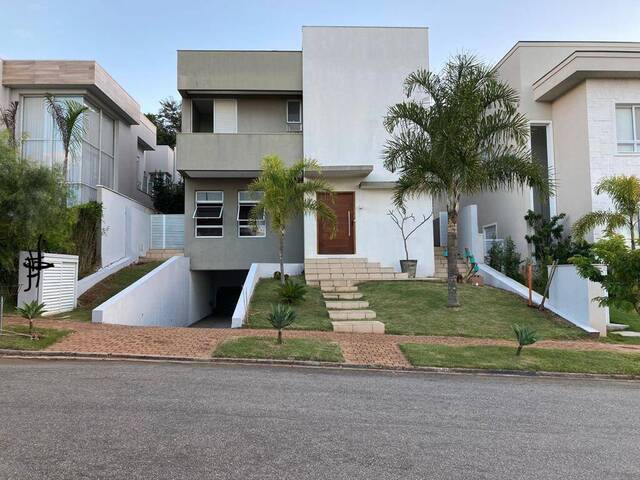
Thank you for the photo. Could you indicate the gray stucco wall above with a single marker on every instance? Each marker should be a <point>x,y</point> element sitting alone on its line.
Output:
<point>127,150</point>
<point>232,252</point>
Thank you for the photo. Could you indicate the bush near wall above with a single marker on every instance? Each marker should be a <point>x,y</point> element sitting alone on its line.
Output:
<point>86,236</point>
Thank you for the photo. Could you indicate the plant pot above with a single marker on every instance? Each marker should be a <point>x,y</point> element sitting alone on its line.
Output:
<point>409,266</point>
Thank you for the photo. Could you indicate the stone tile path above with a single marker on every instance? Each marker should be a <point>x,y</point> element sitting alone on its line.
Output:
<point>357,348</point>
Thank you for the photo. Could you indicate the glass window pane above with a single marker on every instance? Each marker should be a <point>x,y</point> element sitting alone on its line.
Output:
<point>92,126</point>
<point>250,196</point>
<point>37,151</point>
<point>34,119</point>
<point>90,162</point>
<point>107,135</point>
<point>208,211</point>
<point>209,196</point>
<point>106,170</point>
<point>624,124</point>
<point>293,111</point>
<point>625,147</point>
<point>208,231</point>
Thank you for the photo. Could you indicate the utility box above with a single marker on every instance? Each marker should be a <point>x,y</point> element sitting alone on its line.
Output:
<point>58,285</point>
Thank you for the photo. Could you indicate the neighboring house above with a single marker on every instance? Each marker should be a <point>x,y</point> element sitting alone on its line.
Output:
<point>325,102</point>
<point>583,103</point>
<point>117,133</point>
<point>158,162</point>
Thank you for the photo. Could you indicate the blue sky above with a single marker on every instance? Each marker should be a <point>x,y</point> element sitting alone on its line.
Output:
<point>136,40</point>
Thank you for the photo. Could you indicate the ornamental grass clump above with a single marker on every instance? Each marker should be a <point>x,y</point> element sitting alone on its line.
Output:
<point>525,336</point>
<point>281,316</point>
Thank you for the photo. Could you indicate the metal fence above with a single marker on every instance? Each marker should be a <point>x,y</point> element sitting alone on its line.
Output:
<point>167,231</point>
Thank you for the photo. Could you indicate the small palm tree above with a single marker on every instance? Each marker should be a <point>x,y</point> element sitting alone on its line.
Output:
<point>30,311</point>
<point>281,316</point>
<point>468,139</point>
<point>286,195</point>
<point>67,115</point>
<point>525,336</point>
<point>624,192</point>
<point>9,115</point>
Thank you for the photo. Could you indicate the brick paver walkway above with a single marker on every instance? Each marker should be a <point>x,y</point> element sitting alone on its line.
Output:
<point>358,349</point>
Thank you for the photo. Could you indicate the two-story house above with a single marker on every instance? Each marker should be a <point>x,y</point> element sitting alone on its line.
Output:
<point>326,102</point>
<point>582,100</point>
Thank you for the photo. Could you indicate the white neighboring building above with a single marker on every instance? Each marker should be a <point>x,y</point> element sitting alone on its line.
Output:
<point>583,103</point>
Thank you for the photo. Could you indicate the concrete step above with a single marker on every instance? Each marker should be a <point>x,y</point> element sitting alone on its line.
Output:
<point>166,250</point>
<point>334,289</point>
<point>346,305</point>
<point>337,282</point>
<point>627,333</point>
<point>342,296</point>
<point>358,326</point>
<point>333,260</point>
<point>352,314</point>
<point>616,327</point>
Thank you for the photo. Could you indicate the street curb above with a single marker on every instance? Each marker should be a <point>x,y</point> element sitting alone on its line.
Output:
<point>54,355</point>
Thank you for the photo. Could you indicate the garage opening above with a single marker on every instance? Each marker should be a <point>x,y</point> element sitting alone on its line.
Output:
<point>224,288</point>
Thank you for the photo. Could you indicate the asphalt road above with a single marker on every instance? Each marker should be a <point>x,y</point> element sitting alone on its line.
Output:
<point>116,420</point>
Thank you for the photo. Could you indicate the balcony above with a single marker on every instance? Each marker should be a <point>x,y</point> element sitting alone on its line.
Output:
<point>227,155</point>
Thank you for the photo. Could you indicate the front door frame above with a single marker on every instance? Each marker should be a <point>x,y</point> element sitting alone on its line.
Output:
<point>352,226</point>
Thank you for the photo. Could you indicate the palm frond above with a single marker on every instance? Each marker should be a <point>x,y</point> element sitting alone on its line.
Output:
<point>611,221</point>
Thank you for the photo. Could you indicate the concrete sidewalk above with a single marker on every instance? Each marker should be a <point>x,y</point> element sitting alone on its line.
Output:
<point>198,343</point>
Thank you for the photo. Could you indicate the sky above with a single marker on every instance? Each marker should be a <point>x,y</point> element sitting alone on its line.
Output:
<point>136,40</point>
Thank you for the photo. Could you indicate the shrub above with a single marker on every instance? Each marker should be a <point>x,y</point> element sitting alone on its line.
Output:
<point>506,259</point>
<point>292,291</point>
<point>30,311</point>
<point>525,336</point>
<point>281,316</point>
<point>86,232</point>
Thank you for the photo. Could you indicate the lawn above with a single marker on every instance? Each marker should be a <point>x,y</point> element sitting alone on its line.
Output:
<point>532,359</point>
<point>49,336</point>
<point>419,308</point>
<point>106,289</point>
<point>312,314</point>
<point>291,349</point>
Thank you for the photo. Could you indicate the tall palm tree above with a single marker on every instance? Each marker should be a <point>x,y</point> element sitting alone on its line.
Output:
<point>624,192</point>
<point>286,195</point>
<point>464,137</point>
<point>67,115</point>
<point>9,115</point>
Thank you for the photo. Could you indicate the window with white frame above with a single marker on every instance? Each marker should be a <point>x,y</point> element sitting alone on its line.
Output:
<point>207,214</point>
<point>628,128</point>
<point>248,226</point>
<point>294,111</point>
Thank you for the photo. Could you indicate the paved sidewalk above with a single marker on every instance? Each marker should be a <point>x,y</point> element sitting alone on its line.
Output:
<point>358,349</point>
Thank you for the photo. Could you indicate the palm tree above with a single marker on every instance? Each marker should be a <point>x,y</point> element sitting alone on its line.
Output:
<point>286,195</point>
<point>67,115</point>
<point>9,115</point>
<point>468,137</point>
<point>31,310</point>
<point>624,192</point>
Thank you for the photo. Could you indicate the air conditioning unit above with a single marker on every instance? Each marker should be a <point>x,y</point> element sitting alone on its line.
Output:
<point>294,127</point>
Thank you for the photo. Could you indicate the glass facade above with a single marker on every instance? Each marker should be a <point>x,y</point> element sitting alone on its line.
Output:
<point>90,165</point>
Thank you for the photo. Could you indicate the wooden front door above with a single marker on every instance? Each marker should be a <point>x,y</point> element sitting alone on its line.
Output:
<point>344,240</point>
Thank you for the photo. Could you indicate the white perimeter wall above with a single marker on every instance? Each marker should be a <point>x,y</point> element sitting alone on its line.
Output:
<point>168,296</point>
<point>125,227</point>
<point>377,237</point>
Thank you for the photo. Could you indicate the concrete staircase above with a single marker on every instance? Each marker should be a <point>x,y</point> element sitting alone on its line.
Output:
<point>338,279</point>
<point>441,263</point>
<point>157,255</point>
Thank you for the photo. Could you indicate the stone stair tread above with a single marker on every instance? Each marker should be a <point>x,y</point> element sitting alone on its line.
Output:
<point>342,295</point>
<point>616,327</point>
<point>341,289</point>
<point>352,314</point>
<point>627,333</point>
<point>346,304</point>
<point>358,326</point>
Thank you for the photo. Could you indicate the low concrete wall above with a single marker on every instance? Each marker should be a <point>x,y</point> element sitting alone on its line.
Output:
<point>256,272</point>
<point>497,279</point>
<point>468,236</point>
<point>125,227</point>
<point>89,281</point>
<point>168,296</point>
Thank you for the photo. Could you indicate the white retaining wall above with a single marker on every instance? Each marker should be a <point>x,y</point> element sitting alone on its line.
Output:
<point>125,227</point>
<point>256,272</point>
<point>168,296</point>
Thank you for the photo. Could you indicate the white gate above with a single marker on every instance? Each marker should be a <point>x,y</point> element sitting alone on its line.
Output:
<point>167,231</point>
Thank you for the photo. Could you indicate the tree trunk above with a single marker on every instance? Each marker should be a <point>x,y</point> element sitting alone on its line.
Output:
<point>279,337</point>
<point>452,258</point>
<point>406,250</point>
<point>30,326</point>
<point>519,350</point>
<point>65,166</point>
<point>633,236</point>
<point>282,256</point>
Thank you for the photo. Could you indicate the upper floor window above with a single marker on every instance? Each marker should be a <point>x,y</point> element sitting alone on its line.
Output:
<point>248,227</point>
<point>628,128</point>
<point>294,111</point>
<point>219,115</point>
<point>207,214</point>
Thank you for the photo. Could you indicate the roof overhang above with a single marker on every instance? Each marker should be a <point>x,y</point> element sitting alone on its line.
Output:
<point>142,144</point>
<point>377,185</point>
<point>340,171</point>
<point>220,173</point>
<point>583,64</point>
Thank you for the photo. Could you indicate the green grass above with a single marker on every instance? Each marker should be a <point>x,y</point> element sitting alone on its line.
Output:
<point>49,336</point>
<point>419,308</point>
<point>291,349</point>
<point>312,314</point>
<point>631,318</point>
<point>106,289</point>
<point>532,359</point>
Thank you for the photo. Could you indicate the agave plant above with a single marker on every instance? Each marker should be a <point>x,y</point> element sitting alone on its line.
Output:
<point>525,336</point>
<point>281,316</point>
<point>30,311</point>
<point>8,115</point>
<point>292,291</point>
<point>67,115</point>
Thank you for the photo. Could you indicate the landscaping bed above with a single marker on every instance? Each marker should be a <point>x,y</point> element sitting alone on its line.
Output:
<point>106,289</point>
<point>531,359</point>
<point>419,308</point>
<point>290,349</point>
<point>311,312</point>
<point>48,336</point>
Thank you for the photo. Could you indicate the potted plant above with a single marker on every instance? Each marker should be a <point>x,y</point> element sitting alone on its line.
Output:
<point>401,218</point>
